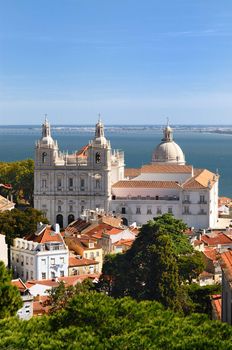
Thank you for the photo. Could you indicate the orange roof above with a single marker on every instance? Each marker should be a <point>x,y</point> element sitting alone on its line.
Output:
<point>201,180</point>
<point>220,238</point>
<point>132,172</point>
<point>113,231</point>
<point>226,259</point>
<point>20,285</point>
<point>167,168</point>
<point>125,242</point>
<point>211,253</point>
<point>145,184</point>
<point>73,261</point>
<point>45,235</point>
<point>217,305</point>
<point>39,307</point>
<point>82,153</point>
<point>206,274</point>
<point>68,281</point>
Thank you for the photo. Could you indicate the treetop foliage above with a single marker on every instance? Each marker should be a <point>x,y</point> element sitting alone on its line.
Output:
<point>95,321</point>
<point>10,299</point>
<point>20,175</point>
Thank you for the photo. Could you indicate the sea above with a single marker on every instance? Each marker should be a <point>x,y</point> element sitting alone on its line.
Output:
<point>204,146</point>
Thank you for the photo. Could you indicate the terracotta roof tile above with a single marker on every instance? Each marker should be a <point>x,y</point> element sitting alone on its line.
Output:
<point>226,264</point>
<point>167,168</point>
<point>73,261</point>
<point>220,238</point>
<point>145,184</point>
<point>217,305</point>
<point>132,172</point>
<point>45,235</point>
<point>21,286</point>
<point>201,180</point>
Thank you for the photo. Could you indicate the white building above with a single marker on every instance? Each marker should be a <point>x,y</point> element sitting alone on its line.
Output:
<point>94,178</point>
<point>3,250</point>
<point>65,184</point>
<point>41,255</point>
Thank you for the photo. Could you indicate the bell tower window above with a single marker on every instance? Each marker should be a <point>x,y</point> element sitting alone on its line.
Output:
<point>98,158</point>
<point>44,157</point>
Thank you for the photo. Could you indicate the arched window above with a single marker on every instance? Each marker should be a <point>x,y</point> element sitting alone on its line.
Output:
<point>44,156</point>
<point>70,218</point>
<point>59,220</point>
<point>98,157</point>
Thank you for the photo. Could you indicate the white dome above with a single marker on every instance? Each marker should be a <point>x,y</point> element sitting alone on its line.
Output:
<point>168,152</point>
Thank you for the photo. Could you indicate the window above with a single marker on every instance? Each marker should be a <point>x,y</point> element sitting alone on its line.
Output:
<point>98,157</point>
<point>97,184</point>
<point>44,157</point>
<point>149,212</point>
<point>202,198</point>
<point>186,209</point>
<point>86,255</point>
<point>53,275</point>
<point>170,210</point>
<point>70,208</point>
<point>27,260</point>
<point>59,183</point>
<point>97,254</point>
<point>62,260</point>
<point>159,211</point>
<point>44,183</point>
<point>61,273</point>
<point>52,261</point>
<point>138,210</point>
<point>43,261</point>
<point>43,275</point>
<point>27,275</point>
<point>31,261</point>
<point>12,256</point>
<point>17,258</point>
<point>70,182</point>
<point>59,208</point>
<point>123,210</point>
<point>32,276</point>
<point>82,183</point>
<point>186,198</point>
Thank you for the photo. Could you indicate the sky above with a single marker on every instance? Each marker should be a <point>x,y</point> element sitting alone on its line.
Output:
<point>132,61</point>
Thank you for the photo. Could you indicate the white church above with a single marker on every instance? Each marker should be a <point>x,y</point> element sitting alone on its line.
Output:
<point>96,177</point>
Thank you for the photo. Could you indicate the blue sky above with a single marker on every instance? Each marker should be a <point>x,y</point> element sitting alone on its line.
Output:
<point>133,61</point>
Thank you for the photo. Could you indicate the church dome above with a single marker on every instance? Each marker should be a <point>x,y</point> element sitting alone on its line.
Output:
<point>168,151</point>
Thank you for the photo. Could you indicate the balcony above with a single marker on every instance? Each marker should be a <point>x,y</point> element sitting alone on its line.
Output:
<point>148,198</point>
<point>186,201</point>
<point>202,202</point>
<point>186,213</point>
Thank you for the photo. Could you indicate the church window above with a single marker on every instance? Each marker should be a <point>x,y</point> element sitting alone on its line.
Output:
<point>149,212</point>
<point>59,208</point>
<point>97,183</point>
<point>123,211</point>
<point>159,211</point>
<point>98,157</point>
<point>44,183</point>
<point>138,210</point>
<point>59,183</point>
<point>44,157</point>
<point>70,182</point>
<point>82,184</point>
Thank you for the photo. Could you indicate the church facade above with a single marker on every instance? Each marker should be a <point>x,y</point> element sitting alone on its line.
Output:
<point>94,177</point>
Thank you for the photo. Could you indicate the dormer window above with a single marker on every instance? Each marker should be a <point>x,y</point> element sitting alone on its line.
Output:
<point>91,245</point>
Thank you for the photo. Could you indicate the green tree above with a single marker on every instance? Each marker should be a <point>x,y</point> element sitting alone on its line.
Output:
<point>18,223</point>
<point>20,175</point>
<point>155,267</point>
<point>10,299</point>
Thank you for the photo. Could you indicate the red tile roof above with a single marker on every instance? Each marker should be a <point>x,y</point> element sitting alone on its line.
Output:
<point>220,238</point>
<point>211,254</point>
<point>167,168</point>
<point>132,172</point>
<point>45,235</point>
<point>73,261</point>
<point>226,264</point>
<point>217,305</point>
<point>145,184</point>
<point>20,285</point>
<point>202,179</point>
